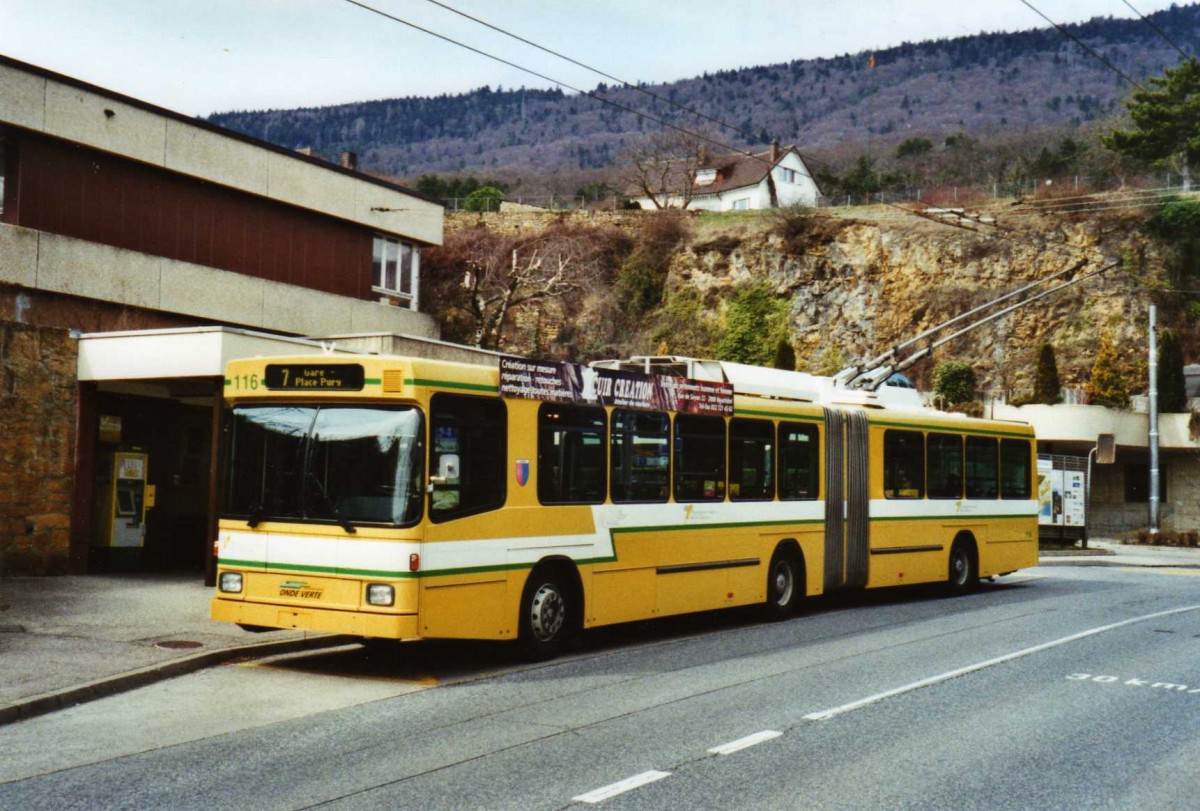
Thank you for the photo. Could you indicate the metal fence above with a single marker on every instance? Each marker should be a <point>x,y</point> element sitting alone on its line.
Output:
<point>1155,186</point>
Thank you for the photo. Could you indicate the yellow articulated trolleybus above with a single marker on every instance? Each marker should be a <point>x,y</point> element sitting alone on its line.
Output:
<point>398,498</point>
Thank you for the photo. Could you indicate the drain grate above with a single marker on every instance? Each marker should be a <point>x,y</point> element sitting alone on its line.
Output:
<point>178,644</point>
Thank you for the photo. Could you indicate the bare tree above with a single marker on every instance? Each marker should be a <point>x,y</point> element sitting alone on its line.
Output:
<point>480,278</point>
<point>662,166</point>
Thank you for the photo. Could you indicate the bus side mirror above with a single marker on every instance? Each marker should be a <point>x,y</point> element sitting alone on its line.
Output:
<point>1106,449</point>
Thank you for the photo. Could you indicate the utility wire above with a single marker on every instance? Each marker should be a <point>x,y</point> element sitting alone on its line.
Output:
<point>560,83</point>
<point>1083,45</point>
<point>748,136</point>
<point>1158,30</point>
<point>647,116</point>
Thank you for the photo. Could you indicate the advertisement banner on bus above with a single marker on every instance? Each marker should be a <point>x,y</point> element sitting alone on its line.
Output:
<point>573,383</point>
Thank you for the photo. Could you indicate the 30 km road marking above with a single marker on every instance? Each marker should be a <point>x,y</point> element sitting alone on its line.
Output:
<point>745,743</point>
<point>824,715</point>
<point>620,787</point>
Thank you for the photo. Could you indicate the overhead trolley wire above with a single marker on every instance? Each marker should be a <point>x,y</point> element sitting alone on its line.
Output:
<point>749,137</point>
<point>660,121</point>
<point>1062,30</point>
<point>1158,30</point>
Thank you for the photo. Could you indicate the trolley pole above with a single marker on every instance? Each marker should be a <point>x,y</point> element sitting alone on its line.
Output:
<point>1153,435</point>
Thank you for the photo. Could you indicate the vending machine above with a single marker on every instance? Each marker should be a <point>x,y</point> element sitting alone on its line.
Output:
<point>122,496</point>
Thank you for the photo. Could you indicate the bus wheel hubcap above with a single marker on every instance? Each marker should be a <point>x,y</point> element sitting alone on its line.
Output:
<point>547,612</point>
<point>783,583</point>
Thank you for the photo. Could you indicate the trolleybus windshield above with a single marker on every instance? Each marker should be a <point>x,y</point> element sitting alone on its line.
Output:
<point>324,464</point>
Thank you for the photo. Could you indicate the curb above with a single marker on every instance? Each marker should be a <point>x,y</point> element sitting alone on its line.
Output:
<point>123,682</point>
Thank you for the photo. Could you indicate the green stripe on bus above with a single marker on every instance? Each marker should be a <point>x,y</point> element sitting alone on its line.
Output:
<point>372,381</point>
<point>305,567</point>
<point>753,412</point>
<point>448,384</point>
<point>730,525</point>
<point>892,518</point>
<point>967,430</point>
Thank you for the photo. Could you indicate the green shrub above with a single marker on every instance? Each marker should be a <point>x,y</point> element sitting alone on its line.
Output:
<point>954,382</point>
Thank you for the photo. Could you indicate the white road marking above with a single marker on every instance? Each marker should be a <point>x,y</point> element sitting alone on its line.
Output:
<point>745,743</point>
<point>825,715</point>
<point>620,787</point>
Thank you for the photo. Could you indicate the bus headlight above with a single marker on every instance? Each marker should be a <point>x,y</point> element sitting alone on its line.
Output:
<point>380,594</point>
<point>231,582</point>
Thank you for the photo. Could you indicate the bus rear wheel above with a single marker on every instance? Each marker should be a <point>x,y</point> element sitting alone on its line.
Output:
<point>546,615</point>
<point>964,572</point>
<point>785,584</point>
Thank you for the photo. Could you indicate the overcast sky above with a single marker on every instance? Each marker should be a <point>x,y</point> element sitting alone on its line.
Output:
<point>204,56</point>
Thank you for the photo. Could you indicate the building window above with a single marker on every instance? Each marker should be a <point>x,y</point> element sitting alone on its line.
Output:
<point>1137,483</point>
<point>740,205</point>
<point>395,269</point>
<point>789,175</point>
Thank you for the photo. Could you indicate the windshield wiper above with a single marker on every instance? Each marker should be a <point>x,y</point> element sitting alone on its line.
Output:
<point>341,520</point>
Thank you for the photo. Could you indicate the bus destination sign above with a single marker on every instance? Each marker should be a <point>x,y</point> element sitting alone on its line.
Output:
<point>572,383</point>
<point>314,376</point>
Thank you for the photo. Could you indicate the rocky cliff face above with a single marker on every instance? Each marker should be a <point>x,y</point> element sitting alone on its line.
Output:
<point>861,281</point>
<point>858,281</point>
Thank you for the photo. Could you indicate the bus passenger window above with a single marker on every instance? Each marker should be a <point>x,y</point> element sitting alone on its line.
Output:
<point>640,456</point>
<point>1016,479</point>
<point>903,464</point>
<point>571,465</point>
<point>799,462</point>
<point>982,468</point>
<point>699,458</point>
<point>751,460</point>
<point>944,466</point>
<point>469,445</point>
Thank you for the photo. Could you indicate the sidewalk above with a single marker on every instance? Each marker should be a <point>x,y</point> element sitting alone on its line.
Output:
<point>67,640</point>
<point>1109,552</point>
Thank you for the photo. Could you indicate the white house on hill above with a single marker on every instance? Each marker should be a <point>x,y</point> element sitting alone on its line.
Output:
<point>734,182</point>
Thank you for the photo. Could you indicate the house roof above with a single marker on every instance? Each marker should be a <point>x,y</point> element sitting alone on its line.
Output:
<point>737,170</point>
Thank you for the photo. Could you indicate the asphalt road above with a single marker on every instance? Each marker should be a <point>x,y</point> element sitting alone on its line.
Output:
<point>1059,688</point>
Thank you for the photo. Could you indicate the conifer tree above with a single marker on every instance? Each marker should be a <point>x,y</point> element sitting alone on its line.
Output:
<point>1108,385</point>
<point>1046,387</point>
<point>1172,389</point>
<point>1166,118</point>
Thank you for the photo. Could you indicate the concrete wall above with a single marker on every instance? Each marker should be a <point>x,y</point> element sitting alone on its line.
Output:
<point>52,263</point>
<point>141,132</point>
<point>1111,515</point>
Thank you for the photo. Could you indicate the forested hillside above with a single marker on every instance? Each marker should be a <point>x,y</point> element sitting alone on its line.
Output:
<point>991,88</point>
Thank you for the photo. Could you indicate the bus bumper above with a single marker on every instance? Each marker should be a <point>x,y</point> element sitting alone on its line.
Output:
<point>320,620</point>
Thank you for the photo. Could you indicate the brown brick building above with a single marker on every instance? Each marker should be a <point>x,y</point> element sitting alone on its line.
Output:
<point>140,250</point>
